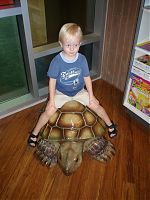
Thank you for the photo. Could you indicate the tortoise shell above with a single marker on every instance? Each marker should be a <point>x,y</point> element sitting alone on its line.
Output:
<point>73,121</point>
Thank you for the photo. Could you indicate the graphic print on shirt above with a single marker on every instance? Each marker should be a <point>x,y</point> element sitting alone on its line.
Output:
<point>70,77</point>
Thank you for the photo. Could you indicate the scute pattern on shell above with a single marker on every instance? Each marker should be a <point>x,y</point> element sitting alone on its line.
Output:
<point>73,121</point>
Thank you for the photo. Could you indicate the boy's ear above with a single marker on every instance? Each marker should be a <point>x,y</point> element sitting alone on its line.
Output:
<point>60,44</point>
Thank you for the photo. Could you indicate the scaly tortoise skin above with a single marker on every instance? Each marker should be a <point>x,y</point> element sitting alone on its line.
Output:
<point>72,130</point>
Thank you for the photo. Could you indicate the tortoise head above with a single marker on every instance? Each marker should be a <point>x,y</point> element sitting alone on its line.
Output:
<point>70,156</point>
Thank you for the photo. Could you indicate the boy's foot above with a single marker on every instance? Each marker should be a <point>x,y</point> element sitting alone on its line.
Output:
<point>112,130</point>
<point>32,140</point>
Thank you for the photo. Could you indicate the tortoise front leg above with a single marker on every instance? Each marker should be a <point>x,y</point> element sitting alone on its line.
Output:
<point>100,149</point>
<point>47,152</point>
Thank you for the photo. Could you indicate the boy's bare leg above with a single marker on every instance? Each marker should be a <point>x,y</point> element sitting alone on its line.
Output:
<point>100,111</point>
<point>41,122</point>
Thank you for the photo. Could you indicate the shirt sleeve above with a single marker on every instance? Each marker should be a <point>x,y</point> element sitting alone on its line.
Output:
<point>86,71</point>
<point>53,70</point>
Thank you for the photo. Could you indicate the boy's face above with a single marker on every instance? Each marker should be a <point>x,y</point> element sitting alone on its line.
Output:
<point>71,46</point>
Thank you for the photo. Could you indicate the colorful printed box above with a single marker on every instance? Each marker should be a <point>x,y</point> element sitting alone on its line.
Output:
<point>139,94</point>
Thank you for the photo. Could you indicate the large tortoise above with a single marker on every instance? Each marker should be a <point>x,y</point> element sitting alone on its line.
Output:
<point>72,130</point>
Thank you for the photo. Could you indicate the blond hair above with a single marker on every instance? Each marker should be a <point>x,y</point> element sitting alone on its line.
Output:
<point>70,30</point>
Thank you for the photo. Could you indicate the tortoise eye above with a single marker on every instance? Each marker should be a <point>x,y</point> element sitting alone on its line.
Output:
<point>76,160</point>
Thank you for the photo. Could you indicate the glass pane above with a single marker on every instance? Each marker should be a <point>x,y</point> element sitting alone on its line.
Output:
<point>87,51</point>
<point>47,17</point>
<point>42,64</point>
<point>13,81</point>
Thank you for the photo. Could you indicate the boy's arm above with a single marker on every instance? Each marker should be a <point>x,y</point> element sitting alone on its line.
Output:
<point>88,83</point>
<point>52,89</point>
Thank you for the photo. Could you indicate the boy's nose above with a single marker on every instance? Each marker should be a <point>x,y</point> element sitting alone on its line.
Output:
<point>72,47</point>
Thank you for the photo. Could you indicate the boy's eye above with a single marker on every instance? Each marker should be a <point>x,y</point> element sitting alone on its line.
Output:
<point>72,45</point>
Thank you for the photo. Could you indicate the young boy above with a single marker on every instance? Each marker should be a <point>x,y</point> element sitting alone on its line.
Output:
<point>68,73</point>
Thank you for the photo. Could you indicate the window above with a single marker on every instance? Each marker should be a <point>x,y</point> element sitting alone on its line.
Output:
<point>29,41</point>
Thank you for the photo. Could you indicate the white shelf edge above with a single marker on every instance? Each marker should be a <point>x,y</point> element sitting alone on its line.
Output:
<point>142,50</point>
<point>137,112</point>
<point>132,108</point>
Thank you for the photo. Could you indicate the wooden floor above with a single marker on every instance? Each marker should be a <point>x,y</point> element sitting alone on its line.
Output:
<point>125,177</point>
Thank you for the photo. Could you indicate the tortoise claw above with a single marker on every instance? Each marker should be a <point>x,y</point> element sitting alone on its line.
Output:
<point>45,158</point>
<point>48,162</point>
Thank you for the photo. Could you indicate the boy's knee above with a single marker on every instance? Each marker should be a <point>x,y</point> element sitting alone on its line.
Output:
<point>50,111</point>
<point>94,106</point>
<point>97,108</point>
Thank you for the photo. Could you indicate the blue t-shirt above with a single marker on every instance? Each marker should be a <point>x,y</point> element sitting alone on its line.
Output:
<point>69,75</point>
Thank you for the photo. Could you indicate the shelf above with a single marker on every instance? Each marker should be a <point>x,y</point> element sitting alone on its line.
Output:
<point>11,10</point>
<point>137,93</point>
<point>137,112</point>
<point>48,49</point>
<point>131,107</point>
